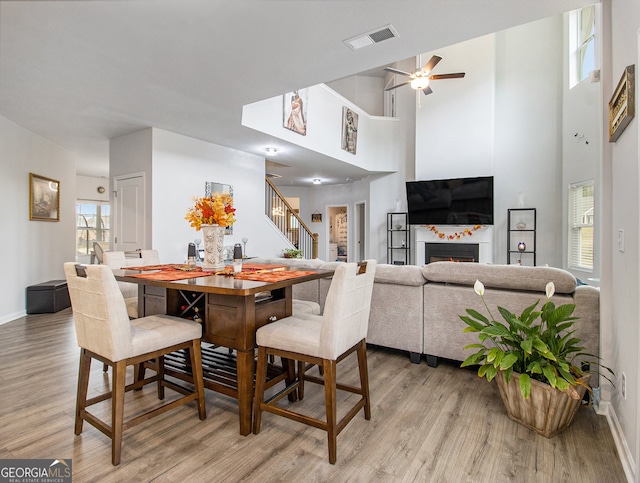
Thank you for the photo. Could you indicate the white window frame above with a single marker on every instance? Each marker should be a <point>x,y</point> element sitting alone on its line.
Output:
<point>581,225</point>
<point>579,42</point>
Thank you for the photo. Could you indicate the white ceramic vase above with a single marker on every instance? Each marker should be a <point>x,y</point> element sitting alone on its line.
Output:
<point>213,236</point>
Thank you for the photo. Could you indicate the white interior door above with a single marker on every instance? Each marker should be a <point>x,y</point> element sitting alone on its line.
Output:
<point>130,220</point>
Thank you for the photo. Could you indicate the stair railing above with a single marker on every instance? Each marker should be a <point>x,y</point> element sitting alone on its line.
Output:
<point>289,222</point>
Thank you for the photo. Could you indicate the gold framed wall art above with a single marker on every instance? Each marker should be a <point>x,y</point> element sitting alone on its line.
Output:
<point>44,198</point>
<point>622,106</point>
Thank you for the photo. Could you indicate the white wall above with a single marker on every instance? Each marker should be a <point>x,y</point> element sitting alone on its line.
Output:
<point>454,124</point>
<point>502,119</point>
<point>582,151</point>
<point>365,92</point>
<point>378,137</point>
<point>621,271</point>
<point>181,166</point>
<point>87,188</point>
<point>176,169</point>
<point>32,251</point>
<point>320,198</point>
<point>528,133</point>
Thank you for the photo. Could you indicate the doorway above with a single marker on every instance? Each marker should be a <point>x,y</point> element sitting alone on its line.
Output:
<point>130,221</point>
<point>338,234</point>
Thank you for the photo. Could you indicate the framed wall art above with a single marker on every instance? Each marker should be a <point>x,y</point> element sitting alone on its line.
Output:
<point>622,106</point>
<point>294,111</point>
<point>349,130</point>
<point>44,198</point>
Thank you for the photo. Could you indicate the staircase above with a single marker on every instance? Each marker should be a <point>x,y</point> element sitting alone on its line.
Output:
<point>289,222</point>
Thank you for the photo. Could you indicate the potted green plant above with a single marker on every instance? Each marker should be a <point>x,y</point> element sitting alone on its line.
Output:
<point>536,360</point>
<point>292,253</point>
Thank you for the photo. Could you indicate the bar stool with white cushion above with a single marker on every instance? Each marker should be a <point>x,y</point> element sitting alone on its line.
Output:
<point>119,260</point>
<point>305,307</point>
<point>323,340</point>
<point>105,332</point>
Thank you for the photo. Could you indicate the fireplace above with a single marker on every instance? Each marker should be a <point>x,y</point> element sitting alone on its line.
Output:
<point>451,252</point>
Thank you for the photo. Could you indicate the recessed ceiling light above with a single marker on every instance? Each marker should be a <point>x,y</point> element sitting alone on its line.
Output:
<point>317,181</point>
<point>271,151</point>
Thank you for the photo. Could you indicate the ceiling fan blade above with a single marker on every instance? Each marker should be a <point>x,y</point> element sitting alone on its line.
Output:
<point>397,71</point>
<point>396,86</point>
<point>428,67</point>
<point>427,90</point>
<point>457,75</point>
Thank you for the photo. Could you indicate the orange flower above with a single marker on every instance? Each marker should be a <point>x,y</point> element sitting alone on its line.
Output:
<point>216,209</point>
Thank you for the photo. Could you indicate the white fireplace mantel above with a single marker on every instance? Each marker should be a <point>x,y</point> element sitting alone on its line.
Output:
<point>482,236</point>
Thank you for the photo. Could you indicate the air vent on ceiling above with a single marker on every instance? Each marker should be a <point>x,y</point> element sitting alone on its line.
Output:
<point>373,37</point>
<point>273,175</point>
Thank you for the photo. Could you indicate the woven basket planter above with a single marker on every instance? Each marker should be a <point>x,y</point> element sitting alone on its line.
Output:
<point>547,411</point>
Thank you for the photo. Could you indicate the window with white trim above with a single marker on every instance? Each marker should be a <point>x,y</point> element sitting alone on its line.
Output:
<point>93,220</point>
<point>581,213</point>
<point>583,43</point>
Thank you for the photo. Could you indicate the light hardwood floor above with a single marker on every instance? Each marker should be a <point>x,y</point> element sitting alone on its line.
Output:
<point>428,425</point>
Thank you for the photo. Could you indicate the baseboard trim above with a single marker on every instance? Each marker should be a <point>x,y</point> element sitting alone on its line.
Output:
<point>12,317</point>
<point>626,458</point>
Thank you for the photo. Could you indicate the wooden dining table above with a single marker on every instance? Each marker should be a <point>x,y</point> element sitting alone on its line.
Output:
<point>231,309</point>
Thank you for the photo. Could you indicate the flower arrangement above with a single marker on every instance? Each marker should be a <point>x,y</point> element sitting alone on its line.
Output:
<point>538,344</point>
<point>456,235</point>
<point>216,209</point>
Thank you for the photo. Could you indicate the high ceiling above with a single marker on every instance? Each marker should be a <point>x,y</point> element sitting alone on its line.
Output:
<point>81,72</point>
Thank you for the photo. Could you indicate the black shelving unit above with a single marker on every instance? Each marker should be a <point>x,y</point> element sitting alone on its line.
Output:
<point>521,236</point>
<point>398,239</point>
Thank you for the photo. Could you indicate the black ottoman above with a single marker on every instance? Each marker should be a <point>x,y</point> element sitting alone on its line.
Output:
<point>48,297</point>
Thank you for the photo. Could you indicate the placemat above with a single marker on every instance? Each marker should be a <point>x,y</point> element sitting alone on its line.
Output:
<point>276,276</point>
<point>253,267</point>
<point>171,275</point>
<point>165,266</point>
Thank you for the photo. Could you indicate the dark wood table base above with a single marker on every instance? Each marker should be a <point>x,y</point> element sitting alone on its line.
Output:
<point>219,369</point>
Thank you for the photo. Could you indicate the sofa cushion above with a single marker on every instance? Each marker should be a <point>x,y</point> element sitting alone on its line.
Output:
<point>399,274</point>
<point>514,277</point>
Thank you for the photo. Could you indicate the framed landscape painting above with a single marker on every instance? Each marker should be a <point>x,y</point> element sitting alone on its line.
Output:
<point>44,198</point>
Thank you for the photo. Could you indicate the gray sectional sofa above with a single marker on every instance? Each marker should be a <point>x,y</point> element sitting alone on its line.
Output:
<point>417,308</point>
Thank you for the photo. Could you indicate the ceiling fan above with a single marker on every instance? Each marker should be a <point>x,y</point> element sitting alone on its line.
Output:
<point>421,77</point>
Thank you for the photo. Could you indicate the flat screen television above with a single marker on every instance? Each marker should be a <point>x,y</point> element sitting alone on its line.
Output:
<point>457,201</point>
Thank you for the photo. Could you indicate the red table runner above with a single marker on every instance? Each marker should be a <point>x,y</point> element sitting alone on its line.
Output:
<point>250,271</point>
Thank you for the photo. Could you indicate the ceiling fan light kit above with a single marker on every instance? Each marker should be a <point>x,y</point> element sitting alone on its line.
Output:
<point>420,78</point>
<point>420,83</point>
